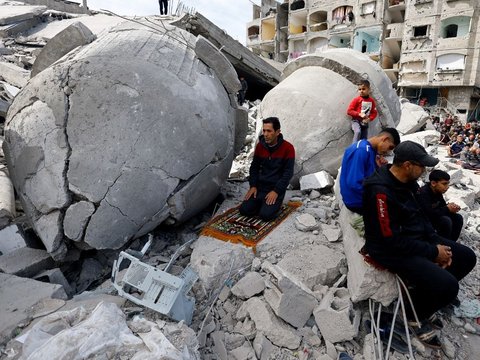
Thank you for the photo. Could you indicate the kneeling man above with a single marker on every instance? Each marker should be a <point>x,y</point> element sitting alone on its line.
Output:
<point>270,173</point>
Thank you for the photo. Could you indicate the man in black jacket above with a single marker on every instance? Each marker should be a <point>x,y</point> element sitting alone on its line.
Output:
<point>270,172</point>
<point>400,237</point>
<point>444,217</point>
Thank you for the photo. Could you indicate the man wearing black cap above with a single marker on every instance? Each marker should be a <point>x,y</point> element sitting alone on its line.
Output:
<point>400,237</point>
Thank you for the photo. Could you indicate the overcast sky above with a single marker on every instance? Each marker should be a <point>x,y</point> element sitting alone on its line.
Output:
<point>230,15</point>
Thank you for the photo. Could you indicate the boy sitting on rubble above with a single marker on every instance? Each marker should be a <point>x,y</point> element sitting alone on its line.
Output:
<point>362,110</point>
<point>444,217</point>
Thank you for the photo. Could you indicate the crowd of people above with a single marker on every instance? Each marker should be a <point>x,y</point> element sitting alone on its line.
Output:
<point>462,140</point>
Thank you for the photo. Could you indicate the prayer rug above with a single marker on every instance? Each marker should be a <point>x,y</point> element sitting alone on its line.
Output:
<point>234,227</point>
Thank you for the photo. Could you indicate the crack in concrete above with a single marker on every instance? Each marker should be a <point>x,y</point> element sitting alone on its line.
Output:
<point>121,212</point>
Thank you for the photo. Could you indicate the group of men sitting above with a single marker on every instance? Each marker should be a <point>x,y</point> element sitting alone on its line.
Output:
<point>409,230</point>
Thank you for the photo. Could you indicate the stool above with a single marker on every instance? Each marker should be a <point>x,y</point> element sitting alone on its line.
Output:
<point>375,323</point>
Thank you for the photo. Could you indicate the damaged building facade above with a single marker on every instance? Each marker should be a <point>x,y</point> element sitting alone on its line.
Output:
<point>426,47</point>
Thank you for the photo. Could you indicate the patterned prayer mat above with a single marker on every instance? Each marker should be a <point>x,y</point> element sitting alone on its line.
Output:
<point>233,227</point>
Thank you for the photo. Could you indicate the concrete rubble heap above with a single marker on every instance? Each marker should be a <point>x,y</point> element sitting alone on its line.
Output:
<point>320,107</point>
<point>144,175</point>
<point>101,152</point>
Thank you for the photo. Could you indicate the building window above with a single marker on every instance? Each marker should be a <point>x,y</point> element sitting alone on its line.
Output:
<point>420,31</point>
<point>342,14</point>
<point>451,62</point>
<point>456,26</point>
<point>368,8</point>
<point>297,4</point>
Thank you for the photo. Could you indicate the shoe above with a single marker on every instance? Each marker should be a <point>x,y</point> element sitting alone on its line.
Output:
<point>425,333</point>
<point>344,356</point>
<point>435,321</point>
<point>398,342</point>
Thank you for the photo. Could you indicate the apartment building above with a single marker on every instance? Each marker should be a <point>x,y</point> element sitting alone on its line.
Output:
<point>426,47</point>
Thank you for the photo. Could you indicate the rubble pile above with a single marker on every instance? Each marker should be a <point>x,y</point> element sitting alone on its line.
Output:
<point>302,293</point>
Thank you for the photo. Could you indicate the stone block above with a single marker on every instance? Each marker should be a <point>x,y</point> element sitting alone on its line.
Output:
<point>11,238</point>
<point>335,317</point>
<point>61,44</point>
<point>251,284</point>
<point>214,259</point>
<point>314,265</point>
<point>278,332</point>
<point>263,347</point>
<point>413,118</point>
<point>244,352</point>
<point>55,276</point>
<point>219,348</point>
<point>76,218</point>
<point>18,12</point>
<point>19,295</point>
<point>306,222</point>
<point>14,74</point>
<point>332,234</point>
<point>291,300</point>
<point>316,181</point>
<point>364,281</point>
<point>25,262</point>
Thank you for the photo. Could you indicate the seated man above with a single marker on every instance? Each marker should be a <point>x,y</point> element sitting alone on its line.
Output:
<point>455,149</point>
<point>359,161</point>
<point>270,172</point>
<point>400,237</point>
<point>444,217</point>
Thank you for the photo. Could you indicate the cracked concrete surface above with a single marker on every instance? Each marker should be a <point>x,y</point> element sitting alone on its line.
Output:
<point>316,87</point>
<point>121,134</point>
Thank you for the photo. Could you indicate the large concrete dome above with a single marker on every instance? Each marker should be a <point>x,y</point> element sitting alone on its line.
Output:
<point>122,134</point>
<point>312,101</point>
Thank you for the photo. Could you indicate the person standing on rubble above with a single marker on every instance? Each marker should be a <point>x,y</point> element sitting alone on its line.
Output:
<point>163,7</point>
<point>270,173</point>
<point>360,161</point>
<point>400,237</point>
<point>362,110</point>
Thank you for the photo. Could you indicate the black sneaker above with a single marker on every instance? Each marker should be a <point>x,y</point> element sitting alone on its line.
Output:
<point>435,321</point>
<point>425,333</point>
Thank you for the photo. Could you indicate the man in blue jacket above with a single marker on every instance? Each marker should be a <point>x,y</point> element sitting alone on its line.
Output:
<point>270,173</point>
<point>359,161</point>
<point>399,236</point>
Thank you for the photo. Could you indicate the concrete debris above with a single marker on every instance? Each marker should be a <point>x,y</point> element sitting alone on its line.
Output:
<point>317,181</point>
<point>364,281</point>
<point>138,190</point>
<point>323,148</point>
<point>245,352</point>
<point>314,265</point>
<point>55,276</point>
<point>11,238</point>
<point>291,300</point>
<point>424,138</point>
<point>413,118</point>
<point>266,322</point>
<point>14,13</point>
<point>263,347</point>
<point>219,345</point>
<point>251,284</point>
<point>335,317</point>
<point>332,234</point>
<point>306,222</point>
<point>61,44</point>
<point>18,297</point>
<point>7,198</point>
<point>25,262</point>
<point>14,74</point>
<point>215,261</point>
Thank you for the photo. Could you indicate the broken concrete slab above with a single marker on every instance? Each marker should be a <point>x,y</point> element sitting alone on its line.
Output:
<point>55,276</point>
<point>13,13</point>
<point>278,332</point>
<point>263,347</point>
<point>335,317</point>
<point>244,352</point>
<point>13,74</point>
<point>25,262</point>
<point>10,30</point>
<point>76,219</point>
<point>291,300</point>
<point>18,296</point>
<point>251,284</point>
<point>7,198</point>
<point>314,265</point>
<point>331,233</point>
<point>317,181</point>
<point>11,238</point>
<point>323,148</point>
<point>61,44</point>
<point>214,260</point>
<point>424,138</point>
<point>363,280</point>
<point>139,189</point>
<point>413,118</point>
<point>306,222</point>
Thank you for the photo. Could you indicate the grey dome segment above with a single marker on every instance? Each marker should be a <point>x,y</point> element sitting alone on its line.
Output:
<point>119,133</point>
<point>312,101</point>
